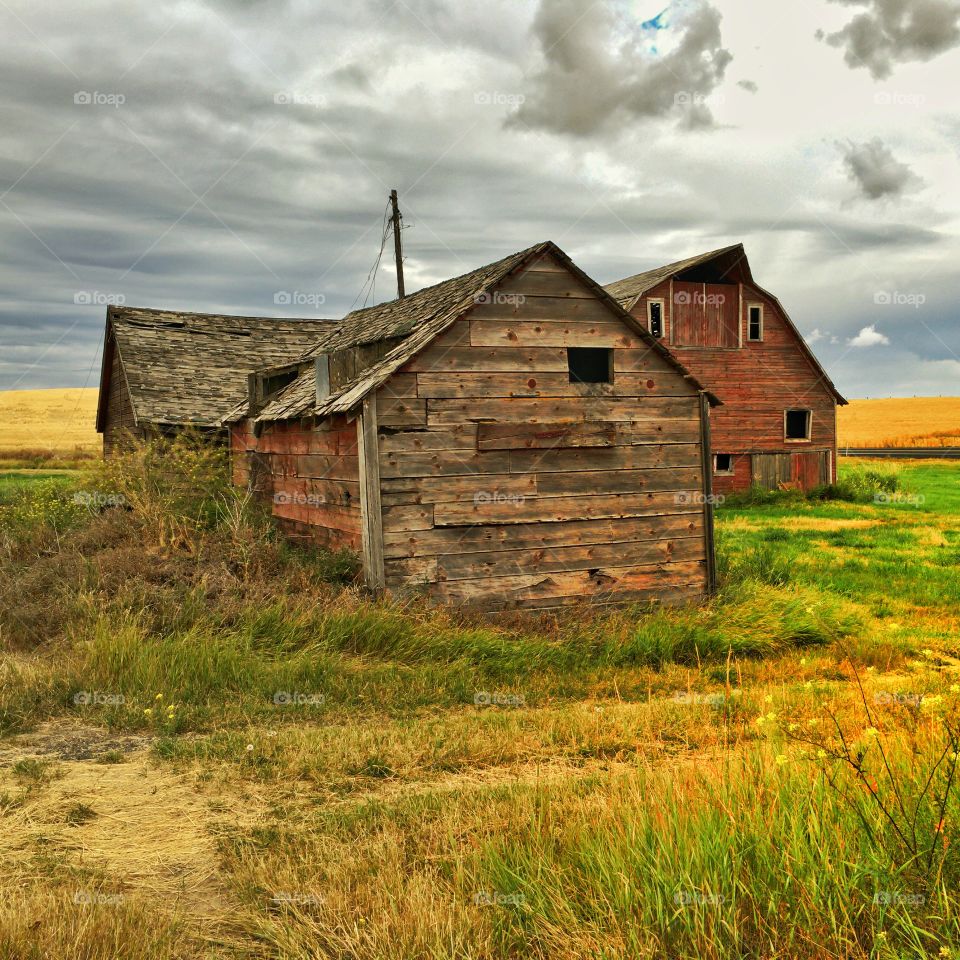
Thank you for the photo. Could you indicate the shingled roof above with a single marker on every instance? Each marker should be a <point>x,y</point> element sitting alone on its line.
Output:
<point>191,368</point>
<point>629,290</point>
<point>419,318</point>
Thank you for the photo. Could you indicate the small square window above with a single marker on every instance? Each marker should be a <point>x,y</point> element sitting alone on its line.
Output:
<point>723,463</point>
<point>590,364</point>
<point>796,424</point>
<point>755,322</point>
<point>655,317</point>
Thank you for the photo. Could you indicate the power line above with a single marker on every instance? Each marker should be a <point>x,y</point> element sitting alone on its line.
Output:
<point>372,275</point>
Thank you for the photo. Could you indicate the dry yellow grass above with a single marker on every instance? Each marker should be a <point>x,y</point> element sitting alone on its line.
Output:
<point>914,421</point>
<point>59,420</point>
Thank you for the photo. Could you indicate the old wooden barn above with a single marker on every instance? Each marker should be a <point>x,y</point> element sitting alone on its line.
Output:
<point>778,424</point>
<point>511,438</point>
<point>163,370</point>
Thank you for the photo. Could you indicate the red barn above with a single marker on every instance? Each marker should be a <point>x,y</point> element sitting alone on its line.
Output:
<point>778,423</point>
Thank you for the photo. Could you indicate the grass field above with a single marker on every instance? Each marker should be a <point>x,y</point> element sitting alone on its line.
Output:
<point>214,749</point>
<point>911,422</point>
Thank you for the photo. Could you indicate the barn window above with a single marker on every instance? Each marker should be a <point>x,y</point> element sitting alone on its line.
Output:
<point>796,424</point>
<point>755,321</point>
<point>590,364</point>
<point>277,381</point>
<point>723,463</point>
<point>655,317</point>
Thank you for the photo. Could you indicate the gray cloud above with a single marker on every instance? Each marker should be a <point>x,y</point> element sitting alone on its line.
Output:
<point>874,169</point>
<point>595,74</point>
<point>749,85</point>
<point>889,32</point>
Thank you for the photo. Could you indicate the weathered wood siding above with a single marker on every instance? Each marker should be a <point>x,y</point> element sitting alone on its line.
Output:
<point>309,475</point>
<point>119,424</point>
<point>756,381</point>
<point>504,485</point>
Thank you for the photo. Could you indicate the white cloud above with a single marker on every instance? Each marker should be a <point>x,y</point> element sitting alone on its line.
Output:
<point>815,335</point>
<point>869,337</point>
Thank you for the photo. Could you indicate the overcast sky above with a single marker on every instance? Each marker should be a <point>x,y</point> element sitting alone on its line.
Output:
<point>230,155</point>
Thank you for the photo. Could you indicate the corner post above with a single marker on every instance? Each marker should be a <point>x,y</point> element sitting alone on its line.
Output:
<point>371,523</point>
<point>706,459</point>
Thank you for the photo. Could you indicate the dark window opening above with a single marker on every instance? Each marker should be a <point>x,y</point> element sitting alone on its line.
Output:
<point>755,323</point>
<point>590,364</point>
<point>277,381</point>
<point>797,425</point>
<point>656,317</point>
<point>723,463</point>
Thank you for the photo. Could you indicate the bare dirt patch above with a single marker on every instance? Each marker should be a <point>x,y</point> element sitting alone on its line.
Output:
<point>150,831</point>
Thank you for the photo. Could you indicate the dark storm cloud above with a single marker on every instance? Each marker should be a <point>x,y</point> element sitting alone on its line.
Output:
<point>876,172</point>
<point>889,32</point>
<point>595,75</point>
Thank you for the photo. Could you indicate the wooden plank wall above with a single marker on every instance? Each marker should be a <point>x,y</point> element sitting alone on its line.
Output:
<point>506,486</point>
<point>309,474</point>
<point>120,422</point>
<point>756,383</point>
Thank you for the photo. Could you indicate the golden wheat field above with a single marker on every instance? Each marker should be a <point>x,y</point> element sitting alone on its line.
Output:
<point>909,422</point>
<point>60,420</point>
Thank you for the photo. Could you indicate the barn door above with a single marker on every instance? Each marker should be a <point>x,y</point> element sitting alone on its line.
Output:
<point>804,470</point>
<point>771,469</point>
<point>811,469</point>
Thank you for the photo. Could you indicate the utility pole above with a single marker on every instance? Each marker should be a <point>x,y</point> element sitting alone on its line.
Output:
<point>398,253</point>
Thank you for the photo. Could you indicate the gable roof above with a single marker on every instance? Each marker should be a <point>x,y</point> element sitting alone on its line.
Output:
<point>191,368</point>
<point>629,290</point>
<point>420,318</point>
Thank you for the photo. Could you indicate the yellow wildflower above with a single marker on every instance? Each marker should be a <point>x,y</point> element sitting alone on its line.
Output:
<point>781,759</point>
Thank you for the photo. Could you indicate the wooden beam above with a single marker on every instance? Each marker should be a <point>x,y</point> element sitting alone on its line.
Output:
<point>707,460</point>
<point>371,527</point>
